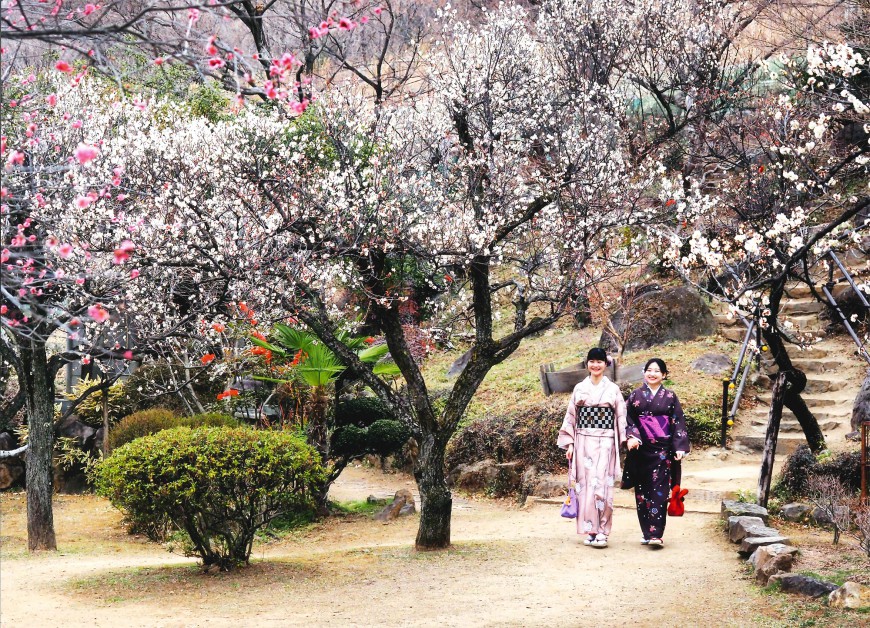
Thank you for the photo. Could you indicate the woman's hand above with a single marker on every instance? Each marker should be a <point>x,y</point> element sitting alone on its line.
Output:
<point>569,453</point>
<point>679,455</point>
<point>633,443</point>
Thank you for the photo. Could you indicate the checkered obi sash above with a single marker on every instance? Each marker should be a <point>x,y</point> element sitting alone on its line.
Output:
<point>600,417</point>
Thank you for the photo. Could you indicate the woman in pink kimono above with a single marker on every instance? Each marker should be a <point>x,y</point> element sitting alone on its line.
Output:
<point>593,430</point>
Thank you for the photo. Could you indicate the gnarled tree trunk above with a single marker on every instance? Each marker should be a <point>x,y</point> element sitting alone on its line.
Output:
<point>39,404</point>
<point>436,502</point>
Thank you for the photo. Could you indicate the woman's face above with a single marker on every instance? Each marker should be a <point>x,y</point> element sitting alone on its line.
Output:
<point>653,375</point>
<point>596,367</point>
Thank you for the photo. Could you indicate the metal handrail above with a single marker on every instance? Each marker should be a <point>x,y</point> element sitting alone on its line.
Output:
<point>827,290</point>
<point>728,416</point>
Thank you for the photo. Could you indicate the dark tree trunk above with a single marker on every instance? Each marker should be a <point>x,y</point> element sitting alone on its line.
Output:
<point>39,393</point>
<point>318,437</point>
<point>436,503</point>
<point>796,381</point>
<point>807,420</point>
<point>773,421</point>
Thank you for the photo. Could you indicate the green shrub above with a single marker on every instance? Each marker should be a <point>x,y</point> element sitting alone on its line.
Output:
<point>528,437</point>
<point>361,411</point>
<point>802,464</point>
<point>704,424</point>
<point>386,437</point>
<point>348,441</point>
<point>90,410</point>
<point>383,438</point>
<point>845,466</point>
<point>216,485</point>
<point>152,421</point>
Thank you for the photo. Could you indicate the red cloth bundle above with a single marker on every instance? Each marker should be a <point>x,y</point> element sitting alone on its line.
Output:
<point>676,507</point>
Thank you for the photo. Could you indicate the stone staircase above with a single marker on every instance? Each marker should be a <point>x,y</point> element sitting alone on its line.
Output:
<point>834,371</point>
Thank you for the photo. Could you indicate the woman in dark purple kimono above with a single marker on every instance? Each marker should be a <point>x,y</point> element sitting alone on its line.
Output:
<point>657,442</point>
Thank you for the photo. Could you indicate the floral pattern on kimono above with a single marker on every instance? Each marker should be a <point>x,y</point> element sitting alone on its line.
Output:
<point>656,420</point>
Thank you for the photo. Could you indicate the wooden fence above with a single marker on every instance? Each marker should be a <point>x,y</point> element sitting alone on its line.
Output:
<point>564,380</point>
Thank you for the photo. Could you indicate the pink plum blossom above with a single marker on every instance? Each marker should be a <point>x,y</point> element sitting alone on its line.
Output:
<point>98,313</point>
<point>85,153</point>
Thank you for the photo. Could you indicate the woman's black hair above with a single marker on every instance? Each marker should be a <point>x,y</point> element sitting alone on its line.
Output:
<point>661,364</point>
<point>597,353</point>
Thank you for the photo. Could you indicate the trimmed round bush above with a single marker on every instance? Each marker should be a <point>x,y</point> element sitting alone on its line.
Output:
<point>147,422</point>
<point>387,437</point>
<point>383,437</point>
<point>361,411</point>
<point>218,486</point>
<point>348,441</point>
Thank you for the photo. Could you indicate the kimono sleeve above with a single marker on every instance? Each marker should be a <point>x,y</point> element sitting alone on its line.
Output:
<point>632,428</point>
<point>681,435</point>
<point>567,431</point>
<point>620,409</point>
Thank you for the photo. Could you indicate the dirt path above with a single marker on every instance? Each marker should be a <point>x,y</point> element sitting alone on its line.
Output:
<point>509,567</point>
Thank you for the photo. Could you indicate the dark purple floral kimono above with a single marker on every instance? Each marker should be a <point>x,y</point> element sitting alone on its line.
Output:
<point>658,422</point>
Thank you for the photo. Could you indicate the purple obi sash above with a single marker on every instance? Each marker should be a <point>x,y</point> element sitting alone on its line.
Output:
<point>656,426</point>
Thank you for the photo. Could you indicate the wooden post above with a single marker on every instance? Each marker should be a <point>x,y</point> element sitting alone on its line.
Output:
<point>726,383</point>
<point>773,421</point>
<point>544,383</point>
<point>105,422</point>
<point>865,460</point>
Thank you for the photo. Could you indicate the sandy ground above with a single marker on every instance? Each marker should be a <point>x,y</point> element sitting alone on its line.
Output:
<point>509,566</point>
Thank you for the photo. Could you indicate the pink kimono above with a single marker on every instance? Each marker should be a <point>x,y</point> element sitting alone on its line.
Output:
<point>596,454</point>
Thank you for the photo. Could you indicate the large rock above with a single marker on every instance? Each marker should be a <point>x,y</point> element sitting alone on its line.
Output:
<point>713,364</point>
<point>73,428</point>
<point>795,511</point>
<point>731,508</point>
<point>548,487</point>
<point>772,559</point>
<point>737,527</point>
<point>802,585</point>
<point>820,516</point>
<point>850,595</point>
<point>740,528</point>
<point>487,475</point>
<point>7,441</point>
<point>459,364</point>
<point>861,407</point>
<point>660,316</point>
<point>11,471</point>
<point>402,504</point>
<point>752,543</point>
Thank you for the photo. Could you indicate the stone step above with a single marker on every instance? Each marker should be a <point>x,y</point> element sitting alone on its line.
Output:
<point>802,291</point>
<point>855,257</point>
<point>759,416</point>
<point>823,385</point>
<point>734,334</point>
<point>724,321</point>
<point>795,427</point>
<point>804,322</point>
<point>816,365</point>
<point>785,443</point>
<point>801,306</point>
<point>812,400</point>
<point>814,352</point>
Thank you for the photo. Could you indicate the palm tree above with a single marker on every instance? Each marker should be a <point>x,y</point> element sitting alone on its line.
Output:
<point>320,369</point>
